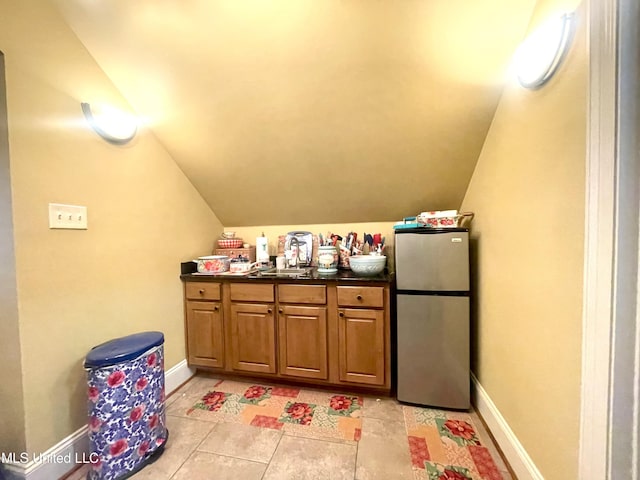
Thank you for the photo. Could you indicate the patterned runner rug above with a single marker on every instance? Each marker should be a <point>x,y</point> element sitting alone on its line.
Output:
<point>311,413</point>
<point>446,446</point>
<point>443,445</point>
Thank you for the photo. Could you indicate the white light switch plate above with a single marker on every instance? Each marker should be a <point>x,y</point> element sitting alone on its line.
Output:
<point>67,216</point>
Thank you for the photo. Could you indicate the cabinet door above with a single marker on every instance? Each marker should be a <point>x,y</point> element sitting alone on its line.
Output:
<point>361,345</point>
<point>253,338</point>
<point>205,337</point>
<point>303,341</point>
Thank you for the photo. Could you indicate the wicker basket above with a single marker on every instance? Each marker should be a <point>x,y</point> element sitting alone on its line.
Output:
<point>230,242</point>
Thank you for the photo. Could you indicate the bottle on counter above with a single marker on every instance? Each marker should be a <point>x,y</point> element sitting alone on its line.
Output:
<point>262,249</point>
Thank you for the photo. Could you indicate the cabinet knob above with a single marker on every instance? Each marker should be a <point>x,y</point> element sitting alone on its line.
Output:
<point>201,291</point>
<point>359,297</point>
<point>341,314</point>
<point>280,310</point>
<point>269,310</point>
<point>215,309</point>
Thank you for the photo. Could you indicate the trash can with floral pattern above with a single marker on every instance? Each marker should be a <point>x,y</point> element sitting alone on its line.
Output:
<point>126,421</point>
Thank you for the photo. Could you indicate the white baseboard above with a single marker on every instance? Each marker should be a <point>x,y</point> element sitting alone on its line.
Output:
<point>55,462</point>
<point>63,457</point>
<point>516,455</point>
<point>176,376</point>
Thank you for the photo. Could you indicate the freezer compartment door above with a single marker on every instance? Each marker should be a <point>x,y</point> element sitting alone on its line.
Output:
<point>433,350</point>
<point>432,261</point>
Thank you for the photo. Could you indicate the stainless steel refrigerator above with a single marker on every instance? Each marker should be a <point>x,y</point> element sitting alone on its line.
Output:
<point>432,279</point>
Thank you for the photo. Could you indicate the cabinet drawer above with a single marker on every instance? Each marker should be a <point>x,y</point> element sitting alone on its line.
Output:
<point>361,297</point>
<point>252,292</point>
<point>202,291</point>
<point>302,294</point>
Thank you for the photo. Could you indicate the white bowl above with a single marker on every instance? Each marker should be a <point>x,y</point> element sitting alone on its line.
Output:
<point>228,235</point>
<point>367,265</point>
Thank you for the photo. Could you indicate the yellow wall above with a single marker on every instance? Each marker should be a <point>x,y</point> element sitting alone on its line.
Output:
<point>79,288</point>
<point>528,196</point>
<point>12,435</point>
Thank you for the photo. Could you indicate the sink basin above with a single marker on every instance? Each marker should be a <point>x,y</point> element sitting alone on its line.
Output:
<point>286,272</point>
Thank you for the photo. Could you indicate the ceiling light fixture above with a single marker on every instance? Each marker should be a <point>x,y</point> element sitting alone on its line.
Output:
<point>540,55</point>
<point>111,124</point>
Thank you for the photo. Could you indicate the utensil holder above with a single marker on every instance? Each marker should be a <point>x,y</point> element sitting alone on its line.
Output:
<point>345,254</point>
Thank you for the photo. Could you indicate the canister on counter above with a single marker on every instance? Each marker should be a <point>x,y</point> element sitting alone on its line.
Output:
<point>327,259</point>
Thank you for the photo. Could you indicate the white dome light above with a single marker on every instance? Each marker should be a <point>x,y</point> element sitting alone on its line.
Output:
<point>539,56</point>
<point>115,126</point>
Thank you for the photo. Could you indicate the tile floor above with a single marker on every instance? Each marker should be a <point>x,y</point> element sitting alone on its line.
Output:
<point>202,448</point>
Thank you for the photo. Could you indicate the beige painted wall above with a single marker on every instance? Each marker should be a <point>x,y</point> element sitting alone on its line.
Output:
<point>528,196</point>
<point>12,434</point>
<point>79,288</point>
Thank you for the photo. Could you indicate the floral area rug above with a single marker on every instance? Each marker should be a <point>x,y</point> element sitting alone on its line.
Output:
<point>302,412</point>
<point>446,446</point>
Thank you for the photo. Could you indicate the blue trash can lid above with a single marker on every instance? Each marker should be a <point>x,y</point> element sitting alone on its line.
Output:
<point>122,349</point>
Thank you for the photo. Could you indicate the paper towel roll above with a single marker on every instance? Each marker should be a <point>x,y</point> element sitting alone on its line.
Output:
<point>262,249</point>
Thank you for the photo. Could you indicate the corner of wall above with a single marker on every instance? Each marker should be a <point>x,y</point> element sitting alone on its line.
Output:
<point>12,419</point>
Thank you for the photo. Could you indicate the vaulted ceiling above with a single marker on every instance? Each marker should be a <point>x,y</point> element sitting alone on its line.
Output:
<point>311,111</point>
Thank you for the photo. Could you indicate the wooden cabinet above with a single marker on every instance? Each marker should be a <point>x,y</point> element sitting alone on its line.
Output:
<point>302,328</point>
<point>205,335</point>
<point>252,327</point>
<point>303,341</point>
<point>361,345</point>
<point>321,332</point>
<point>253,338</point>
<point>361,335</point>
<point>204,325</point>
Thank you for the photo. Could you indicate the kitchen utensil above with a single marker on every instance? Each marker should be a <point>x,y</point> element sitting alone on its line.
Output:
<point>368,239</point>
<point>213,264</point>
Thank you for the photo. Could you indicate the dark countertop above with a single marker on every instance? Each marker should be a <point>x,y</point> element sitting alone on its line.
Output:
<point>346,276</point>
